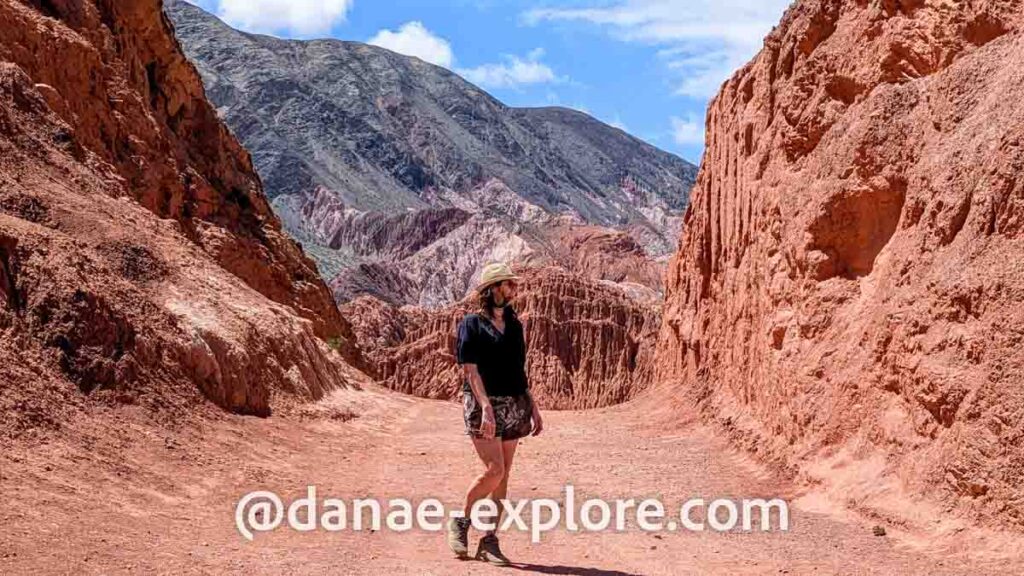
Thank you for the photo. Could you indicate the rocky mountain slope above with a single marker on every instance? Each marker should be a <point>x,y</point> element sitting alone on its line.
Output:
<point>402,179</point>
<point>848,295</point>
<point>140,262</point>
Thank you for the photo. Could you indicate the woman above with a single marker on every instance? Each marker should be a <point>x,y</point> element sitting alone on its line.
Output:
<point>498,408</point>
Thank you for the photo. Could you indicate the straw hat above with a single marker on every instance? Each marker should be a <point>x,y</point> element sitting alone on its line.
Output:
<point>494,273</point>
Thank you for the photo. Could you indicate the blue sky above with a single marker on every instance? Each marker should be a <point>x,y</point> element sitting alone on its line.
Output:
<point>646,66</point>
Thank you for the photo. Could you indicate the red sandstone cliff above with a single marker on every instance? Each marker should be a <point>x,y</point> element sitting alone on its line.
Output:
<point>138,254</point>
<point>848,294</point>
<point>114,74</point>
<point>588,343</point>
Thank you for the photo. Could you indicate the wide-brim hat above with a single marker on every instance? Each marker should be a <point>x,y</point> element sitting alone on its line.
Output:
<point>494,273</point>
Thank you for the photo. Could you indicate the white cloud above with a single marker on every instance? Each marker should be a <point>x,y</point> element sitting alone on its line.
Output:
<point>413,39</point>
<point>688,131</point>
<point>514,72</point>
<point>704,40</point>
<point>294,18</point>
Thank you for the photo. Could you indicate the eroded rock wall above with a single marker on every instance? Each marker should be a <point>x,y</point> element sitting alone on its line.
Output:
<point>115,75</point>
<point>848,294</point>
<point>139,259</point>
<point>588,343</point>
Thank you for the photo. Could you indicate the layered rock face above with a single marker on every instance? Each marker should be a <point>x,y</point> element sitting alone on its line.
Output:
<point>848,294</point>
<point>138,255</point>
<point>384,166</point>
<point>588,343</point>
<point>599,253</point>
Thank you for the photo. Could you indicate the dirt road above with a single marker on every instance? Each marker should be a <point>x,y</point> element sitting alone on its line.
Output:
<point>121,496</point>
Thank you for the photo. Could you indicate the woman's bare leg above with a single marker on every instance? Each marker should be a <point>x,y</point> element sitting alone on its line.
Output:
<point>492,456</point>
<point>508,452</point>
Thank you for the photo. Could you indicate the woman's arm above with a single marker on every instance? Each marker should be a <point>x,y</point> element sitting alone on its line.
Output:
<point>476,384</point>
<point>466,353</point>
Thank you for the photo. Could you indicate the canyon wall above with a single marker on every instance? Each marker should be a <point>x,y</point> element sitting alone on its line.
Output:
<point>139,258</point>
<point>848,295</point>
<point>589,344</point>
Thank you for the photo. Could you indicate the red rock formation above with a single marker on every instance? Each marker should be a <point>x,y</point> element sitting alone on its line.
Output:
<point>848,293</point>
<point>430,256</point>
<point>374,233</point>
<point>114,74</point>
<point>602,254</point>
<point>588,343</point>
<point>138,256</point>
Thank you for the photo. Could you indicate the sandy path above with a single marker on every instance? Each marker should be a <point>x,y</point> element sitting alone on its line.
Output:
<point>143,500</point>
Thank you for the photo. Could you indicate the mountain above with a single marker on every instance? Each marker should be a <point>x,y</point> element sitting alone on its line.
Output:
<point>848,294</point>
<point>402,179</point>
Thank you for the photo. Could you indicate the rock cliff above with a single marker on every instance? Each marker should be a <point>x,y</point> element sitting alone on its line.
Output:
<point>588,343</point>
<point>848,294</point>
<point>139,258</point>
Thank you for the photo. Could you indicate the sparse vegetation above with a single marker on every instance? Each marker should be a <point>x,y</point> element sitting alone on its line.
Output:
<point>335,343</point>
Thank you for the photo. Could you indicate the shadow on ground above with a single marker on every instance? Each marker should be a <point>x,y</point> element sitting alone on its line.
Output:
<point>569,570</point>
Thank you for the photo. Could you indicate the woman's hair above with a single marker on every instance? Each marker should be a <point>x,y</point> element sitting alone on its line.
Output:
<point>486,299</point>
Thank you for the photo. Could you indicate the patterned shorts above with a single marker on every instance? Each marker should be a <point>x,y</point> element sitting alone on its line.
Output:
<point>512,414</point>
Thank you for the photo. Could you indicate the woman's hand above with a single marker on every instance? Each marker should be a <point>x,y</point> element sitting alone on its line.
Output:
<point>538,422</point>
<point>488,424</point>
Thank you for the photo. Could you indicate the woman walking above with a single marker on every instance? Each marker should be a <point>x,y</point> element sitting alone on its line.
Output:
<point>497,407</point>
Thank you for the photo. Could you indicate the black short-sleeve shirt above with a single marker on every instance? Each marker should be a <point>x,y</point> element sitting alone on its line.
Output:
<point>500,358</point>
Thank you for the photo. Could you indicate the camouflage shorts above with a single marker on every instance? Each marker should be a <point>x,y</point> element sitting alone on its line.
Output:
<point>512,414</point>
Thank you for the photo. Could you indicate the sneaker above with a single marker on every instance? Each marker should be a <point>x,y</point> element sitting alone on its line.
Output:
<point>489,551</point>
<point>458,536</point>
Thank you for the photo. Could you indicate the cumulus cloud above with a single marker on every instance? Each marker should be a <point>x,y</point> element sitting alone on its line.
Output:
<point>513,72</point>
<point>703,41</point>
<point>413,39</point>
<point>292,18</point>
<point>688,131</point>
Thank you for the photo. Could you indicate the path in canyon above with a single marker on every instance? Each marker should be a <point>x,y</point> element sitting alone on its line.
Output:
<point>144,500</point>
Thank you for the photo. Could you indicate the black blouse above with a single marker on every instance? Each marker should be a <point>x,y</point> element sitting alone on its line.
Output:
<point>500,358</point>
